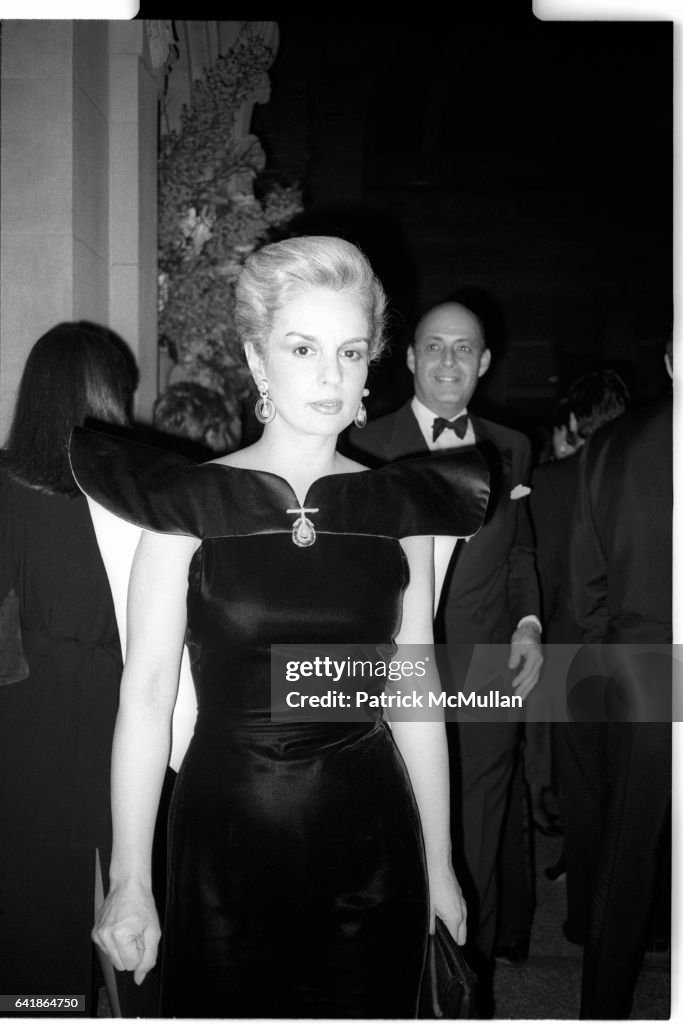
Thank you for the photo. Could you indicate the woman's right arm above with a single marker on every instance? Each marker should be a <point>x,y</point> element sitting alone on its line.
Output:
<point>127,927</point>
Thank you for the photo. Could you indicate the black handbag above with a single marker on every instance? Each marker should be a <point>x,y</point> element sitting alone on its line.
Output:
<point>449,984</point>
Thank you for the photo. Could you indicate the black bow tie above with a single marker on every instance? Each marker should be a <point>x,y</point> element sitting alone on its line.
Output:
<point>459,425</point>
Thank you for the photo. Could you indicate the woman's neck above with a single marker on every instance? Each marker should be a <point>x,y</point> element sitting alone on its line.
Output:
<point>298,459</point>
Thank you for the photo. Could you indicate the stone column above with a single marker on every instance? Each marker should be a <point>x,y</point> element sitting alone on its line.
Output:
<point>78,149</point>
<point>54,186</point>
<point>133,146</point>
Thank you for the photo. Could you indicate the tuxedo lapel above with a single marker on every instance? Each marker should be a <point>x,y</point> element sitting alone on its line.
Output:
<point>499,460</point>
<point>484,437</point>
<point>481,431</point>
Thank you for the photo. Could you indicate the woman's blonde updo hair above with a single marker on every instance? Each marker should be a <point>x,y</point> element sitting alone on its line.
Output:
<point>276,273</point>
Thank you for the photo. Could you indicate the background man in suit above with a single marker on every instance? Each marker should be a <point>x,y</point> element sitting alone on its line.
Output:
<point>592,400</point>
<point>621,586</point>
<point>490,593</point>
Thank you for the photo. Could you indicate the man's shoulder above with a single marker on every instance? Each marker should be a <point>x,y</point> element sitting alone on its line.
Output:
<point>507,437</point>
<point>385,424</point>
<point>643,434</point>
<point>373,432</point>
<point>381,435</point>
<point>637,423</point>
<point>653,416</point>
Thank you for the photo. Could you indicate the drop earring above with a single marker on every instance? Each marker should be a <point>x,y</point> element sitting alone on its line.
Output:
<point>264,408</point>
<point>361,417</point>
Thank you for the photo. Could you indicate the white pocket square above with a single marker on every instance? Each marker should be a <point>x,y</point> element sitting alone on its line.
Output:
<point>520,491</point>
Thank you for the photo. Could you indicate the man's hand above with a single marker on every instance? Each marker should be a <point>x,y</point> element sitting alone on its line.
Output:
<point>525,646</point>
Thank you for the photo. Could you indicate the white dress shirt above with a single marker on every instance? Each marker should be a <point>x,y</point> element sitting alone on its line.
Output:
<point>447,438</point>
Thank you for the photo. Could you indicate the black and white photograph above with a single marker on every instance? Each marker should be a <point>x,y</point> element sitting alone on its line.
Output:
<point>337,664</point>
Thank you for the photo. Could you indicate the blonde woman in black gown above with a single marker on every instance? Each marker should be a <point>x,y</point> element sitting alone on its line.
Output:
<point>307,859</point>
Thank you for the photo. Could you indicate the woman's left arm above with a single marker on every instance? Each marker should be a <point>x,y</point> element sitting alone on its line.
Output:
<point>421,740</point>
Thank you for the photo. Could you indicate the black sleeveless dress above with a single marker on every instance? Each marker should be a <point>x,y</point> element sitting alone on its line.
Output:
<point>297,883</point>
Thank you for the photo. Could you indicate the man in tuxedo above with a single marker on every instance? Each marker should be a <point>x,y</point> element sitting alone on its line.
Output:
<point>621,586</point>
<point>592,400</point>
<point>490,593</point>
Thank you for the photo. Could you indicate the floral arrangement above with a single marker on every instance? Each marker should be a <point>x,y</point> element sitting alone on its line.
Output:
<point>211,218</point>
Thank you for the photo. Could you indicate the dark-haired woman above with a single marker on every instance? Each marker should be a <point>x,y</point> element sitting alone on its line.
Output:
<point>56,725</point>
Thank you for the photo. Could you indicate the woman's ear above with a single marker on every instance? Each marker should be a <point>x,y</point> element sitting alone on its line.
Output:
<point>254,361</point>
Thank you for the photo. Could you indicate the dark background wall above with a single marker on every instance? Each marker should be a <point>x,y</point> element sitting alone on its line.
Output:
<point>528,162</point>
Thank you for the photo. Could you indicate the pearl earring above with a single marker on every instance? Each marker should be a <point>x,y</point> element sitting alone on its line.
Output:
<point>265,407</point>
<point>361,417</point>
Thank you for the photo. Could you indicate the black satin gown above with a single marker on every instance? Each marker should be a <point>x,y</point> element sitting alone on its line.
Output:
<point>297,883</point>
